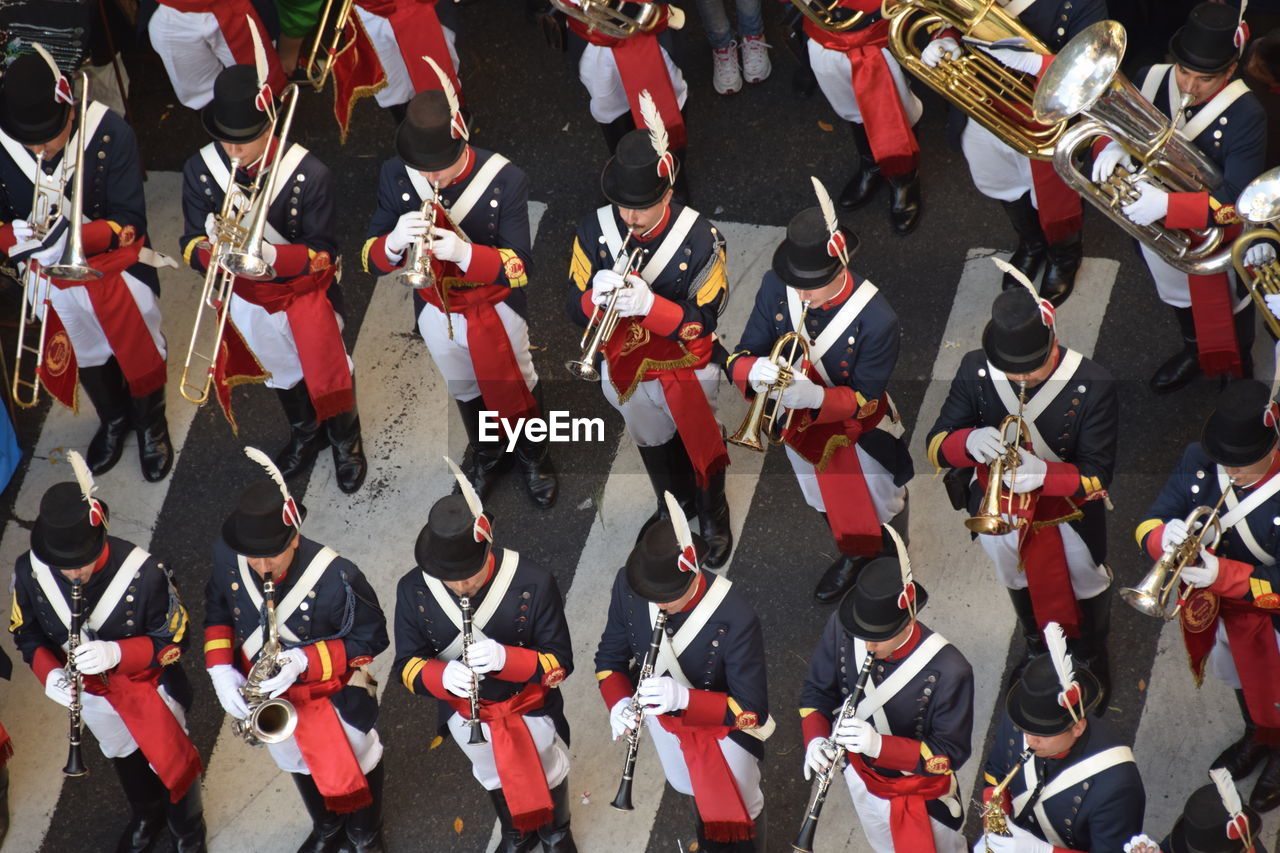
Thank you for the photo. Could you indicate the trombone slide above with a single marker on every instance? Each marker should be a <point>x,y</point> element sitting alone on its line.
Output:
<point>35,309</point>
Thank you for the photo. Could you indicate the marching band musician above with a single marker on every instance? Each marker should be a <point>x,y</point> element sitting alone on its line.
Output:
<point>912,727</point>
<point>479,250</point>
<point>513,653</point>
<point>706,705</point>
<point>1212,821</point>
<point>330,627</point>
<point>401,33</point>
<point>1045,213</point>
<point>108,328</point>
<point>866,87</point>
<point>1053,564</point>
<point>1227,123</point>
<point>292,324</point>
<point>657,368</point>
<point>1229,620</point>
<point>135,694</point>
<point>1079,790</point>
<point>848,470</point>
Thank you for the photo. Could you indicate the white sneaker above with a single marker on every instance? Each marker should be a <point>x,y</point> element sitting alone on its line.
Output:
<point>755,59</point>
<point>726,76</point>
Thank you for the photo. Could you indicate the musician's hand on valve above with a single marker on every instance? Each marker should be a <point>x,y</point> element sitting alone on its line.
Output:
<point>293,662</point>
<point>1108,158</point>
<point>635,300</point>
<point>1273,303</point>
<point>22,231</point>
<point>1205,574</point>
<point>936,49</point>
<point>97,656</point>
<point>762,374</point>
<point>448,246</point>
<point>58,687</point>
<point>858,736</point>
<point>1028,476</point>
<point>803,393</point>
<point>1141,843</point>
<point>662,695</point>
<point>487,655</point>
<point>603,283</point>
<point>457,679</point>
<point>621,720</point>
<point>1174,533</point>
<point>1259,255</point>
<point>984,444</point>
<point>227,681</point>
<point>211,226</point>
<point>409,227</point>
<point>818,756</point>
<point>1019,60</point>
<point>1151,205</point>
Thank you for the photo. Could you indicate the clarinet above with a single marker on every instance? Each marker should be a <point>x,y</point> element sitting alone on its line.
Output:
<point>473,697</point>
<point>821,784</point>
<point>622,802</point>
<point>75,763</point>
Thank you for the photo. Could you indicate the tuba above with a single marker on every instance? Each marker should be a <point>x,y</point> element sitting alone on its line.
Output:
<point>761,427</point>
<point>1259,205</point>
<point>1085,79</point>
<point>270,720</point>
<point>601,325</point>
<point>327,43</point>
<point>1152,595</point>
<point>990,520</point>
<point>998,98</point>
<point>620,19</point>
<point>829,16</point>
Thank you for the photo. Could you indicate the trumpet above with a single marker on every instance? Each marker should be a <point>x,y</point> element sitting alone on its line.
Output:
<point>1151,596</point>
<point>761,426</point>
<point>990,520</point>
<point>601,325</point>
<point>318,67</point>
<point>473,695</point>
<point>417,272</point>
<point>1259,204</point>
<point>994,821</point>
<point>622,801</point>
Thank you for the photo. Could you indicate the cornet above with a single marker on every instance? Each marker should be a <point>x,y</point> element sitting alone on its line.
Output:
<point>319,64</point>
<point>990,520</point>
<point>417,272</point>
<point>1152,595</point>
<point>602,324</point>
<point>762,426</point>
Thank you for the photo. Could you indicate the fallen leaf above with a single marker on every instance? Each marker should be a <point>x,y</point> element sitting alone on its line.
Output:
<point>1142,684</point>
<point>827,127</point>
<point>457,825</point>
<point>693,846</point>
<point>436,741</point>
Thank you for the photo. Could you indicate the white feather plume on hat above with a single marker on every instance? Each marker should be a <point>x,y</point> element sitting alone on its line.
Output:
<point>290,512</point>
<point>657,135</point>
<point>84,478</point>
<point>688,559</point>
<point>457,124</point>
<point>1071,696</point>
<point>907,598</point>
<point>61,86</point>
<point>481,528</point>
<point>837,247</point>
<point>1047,312</point>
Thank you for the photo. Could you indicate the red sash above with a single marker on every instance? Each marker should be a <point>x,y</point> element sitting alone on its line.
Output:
<point>519,768</point>
<point>1057,205</point>
<point>59,370</point>
<point>419,33</point>
<point>1211,306</point>
<point>315,332</point>
<point>1252,638</point>
<point>235,365</point>
<point>635,355</point>
<point>230,15</point>
<point>908,819</point>
<point>121,321</point>
<point>715,792</point>
<point>357,73</point>
<point>153,726</point>
<point>325,748</point>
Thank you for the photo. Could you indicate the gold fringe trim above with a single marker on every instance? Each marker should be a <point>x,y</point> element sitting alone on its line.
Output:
<point>688,360</point>
<point>833,444</point>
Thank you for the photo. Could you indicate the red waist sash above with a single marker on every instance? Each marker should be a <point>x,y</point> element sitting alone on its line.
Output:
<point>908,819</point>
<point>324,746</point>
<point>715,792</point>
<point>1252,637</point>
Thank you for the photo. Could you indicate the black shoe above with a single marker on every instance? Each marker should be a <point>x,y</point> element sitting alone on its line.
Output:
<point>155,452</point>
<point>513,840</point>
<point>1266,791</point>
<point>305,439</point>
<point>540,480</point>
<point>107,390</point>
<point>141,834</point>
<point>1032,248</point>
<point>861,187</point>
<point>484,462</point>
<point>1178,371</point>
<point>327,835</point>
<point>1241,757</point>
<point>349,464</point>
<point>838,578</point>
<point>1060,275</point>
<point>905,205</point>
<point>713,522</point>
<point>555,835</point>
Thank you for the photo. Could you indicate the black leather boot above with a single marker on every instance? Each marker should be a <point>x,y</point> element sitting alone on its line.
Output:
<point>148,801</point>
<point>327,834</point>
<point>1184,366</point>
<point>864,183</point>
<point>616,129</point>
<point>839,578</point>
<point>155,453</point>
<point>513,840</point>
<point>364,827</point>
<point>305,439</point>
<point>1241,757</point>
<point>1030,252</point>
<point>1060,275</point>
<point>484,461</point>
<point>349,464</point>
<point>109,394</point>
<point>669,470</point>
<point>539,472</point>
<point>555,836</point>
<point>186,821</point>
<point>905,204</point>
<point>713,522</point>
<point>1266,791</point>
<point>1032,639</point>
<point>1090,648</point>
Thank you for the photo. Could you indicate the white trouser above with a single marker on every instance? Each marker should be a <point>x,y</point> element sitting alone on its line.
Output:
<point>598,71</point>
<point>367,747</point>
<point>647,415</point>
<point>399,88</point>
<point>1174,286</point>
<point>1220,662</point>
<point>744,766</point>
<point>998,171</point>
<point>873,814</point>
<point>1087,577</point>
<point>888,499</point>
<point>835,77</point>
<point>271,341</point>
<point>108,727</point>
<point>453,357</point>
<point>551,750</point>
<point>193,50</point>
<point>87,338</point>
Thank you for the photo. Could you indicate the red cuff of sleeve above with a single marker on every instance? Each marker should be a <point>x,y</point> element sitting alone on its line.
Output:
<point>486,264</point>
<point>521,665</point>
<point>706,708</point>
<point>664,317</point>
<point>292,259</point>
<point>431,675</point>
<point>1152,542</point>
<point>1233,578</point>
<point>378,256</point>
<point>325,660</point>
<point>948,32</point>
<point>839,404</point>
<point>954,451</point>
<point>898,753</point>
<point>1061,479</point>
<point>1045,62</point>
<point>615,686</point>
<point>1188,210</point>
<point>814,725</point>
<point>43,663</point>
<point>741,369</point>
<point>587,305</point>
<point>99,236</point>
<point>7,240</point>
<point>219,646</point>
<point>136,654</point>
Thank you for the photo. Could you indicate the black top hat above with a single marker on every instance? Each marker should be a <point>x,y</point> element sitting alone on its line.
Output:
<point>801,259</point>
<point>256,528</point>
<point>28,110</point>
<point>630,179</point>
<point>233,115</point>
<point>652,569</point>
<point>1206,42</point>
<point>424,140</point>
<point>63,537</point>
<point>871,611</point>
<point>447,548</point>
<point>1236,432</point>
<point>1033,703</point>
<point>1016,340</point>
<point>1202,827</point>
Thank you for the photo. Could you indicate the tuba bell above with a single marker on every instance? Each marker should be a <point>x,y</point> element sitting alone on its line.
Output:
<point>618,18</point>
<point>1259,205</point>
<point>762,425</point>
<point>1151,596</point>
<point>1085,79</point>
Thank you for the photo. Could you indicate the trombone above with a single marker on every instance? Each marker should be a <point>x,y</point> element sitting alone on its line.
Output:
<point>990,520</point>
<point>601,325</point>
<point>1151,596</point>
<point>761,427</point>
<point>317,67</point>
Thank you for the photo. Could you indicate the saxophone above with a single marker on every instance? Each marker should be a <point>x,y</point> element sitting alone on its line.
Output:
<point>994,821</point>
<point>270,720</point>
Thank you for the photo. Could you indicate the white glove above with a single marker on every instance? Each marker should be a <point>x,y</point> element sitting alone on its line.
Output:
<point>662,695</point>
<point>1108,158</point>
<point>635,300</point>
<point>51,253</point>
<point>409,227</point>
<point>858,736</point>
<point>934,51</point>
<point>227,682</point>
<point>763,374</point>
<point>818,756</point>
<point>1273,303</point>
<point>211,226</point>
<point>1260,254</point>
<point>1141,843</point>
<point>1152,205</point>
<point>984,444</point>
<point>604,283</point>
<point>803,393</point>
<point>1175,531</point>
<point>487,656</point>
<point>457,679</point>
<point>269,253</point>
<point>448,246</point>
<point>1025,842</point>
<point>1205,573</point>
<point>97,656</point>
<point>621,720</point>
<point>58,687</point>
<point>293,662</point>
<point>1028,476</point>
<point>22,231</point>
<point>1019,60</point>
